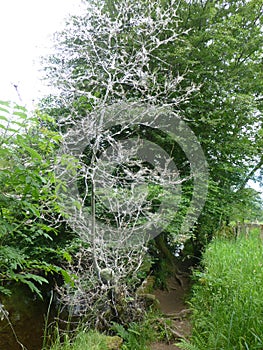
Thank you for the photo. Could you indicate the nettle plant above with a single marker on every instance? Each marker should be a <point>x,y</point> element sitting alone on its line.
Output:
<point>117,94</point>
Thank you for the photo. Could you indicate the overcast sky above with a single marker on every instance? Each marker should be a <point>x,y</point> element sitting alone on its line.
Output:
<point>26,28</point>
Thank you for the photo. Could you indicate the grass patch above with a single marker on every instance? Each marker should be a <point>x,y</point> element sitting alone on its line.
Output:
<point>91,340</point>
<point>137,336</point>
<point>227,300</point>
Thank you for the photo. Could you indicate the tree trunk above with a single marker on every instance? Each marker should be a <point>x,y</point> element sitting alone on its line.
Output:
<point>164,253</point>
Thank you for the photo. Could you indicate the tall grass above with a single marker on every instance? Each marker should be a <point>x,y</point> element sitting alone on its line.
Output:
<point>227,300</point>
<point>90,341</point>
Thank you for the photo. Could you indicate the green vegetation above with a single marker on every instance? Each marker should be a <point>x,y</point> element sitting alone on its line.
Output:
<point>209,70</point>
<point>198,62</point>
<point>30,237</point>
<point>91,341</point>
<point>227,299</point>
<point>205,49</point>
<point>137,336</point>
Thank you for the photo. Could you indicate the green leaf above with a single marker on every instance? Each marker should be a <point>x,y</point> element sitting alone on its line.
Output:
<point>68,278</point>
<point>5,291</point>
<point>33,153</point>
<point>21,115</point>
<point>5,103</point>
<point>67,256</point>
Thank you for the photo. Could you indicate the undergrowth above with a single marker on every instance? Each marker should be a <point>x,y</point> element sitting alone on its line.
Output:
<point>137,336</point>
<point>227,300</point>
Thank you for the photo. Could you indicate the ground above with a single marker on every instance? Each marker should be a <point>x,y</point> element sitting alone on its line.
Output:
<point>173,305</point>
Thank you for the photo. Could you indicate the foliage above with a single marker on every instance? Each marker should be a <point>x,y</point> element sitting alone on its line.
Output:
<point>247,205</point>
<point>115,52</point>
<point>223,56</point>
<point>115,187</point>
<point>141,334</point>
<point>137,335</point>
<point>228,296</point>
<point>155,54</point>
<point>27,220</point>
<point>209,54</point>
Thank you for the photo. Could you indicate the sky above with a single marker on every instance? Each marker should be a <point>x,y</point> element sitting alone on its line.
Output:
<point>26,29</point>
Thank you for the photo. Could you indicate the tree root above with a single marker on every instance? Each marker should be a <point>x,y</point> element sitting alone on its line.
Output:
<point>178,315</point>
<point>172,331</point>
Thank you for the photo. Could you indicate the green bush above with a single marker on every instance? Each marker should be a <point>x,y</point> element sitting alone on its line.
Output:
<point>227,301</point>
<point>29,229</point>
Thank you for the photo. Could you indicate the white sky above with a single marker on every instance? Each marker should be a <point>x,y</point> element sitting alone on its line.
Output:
<point>256,186</point>
<point>26,28</point>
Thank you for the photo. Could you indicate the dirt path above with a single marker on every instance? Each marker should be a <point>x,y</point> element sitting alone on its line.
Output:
<point>172,304</point>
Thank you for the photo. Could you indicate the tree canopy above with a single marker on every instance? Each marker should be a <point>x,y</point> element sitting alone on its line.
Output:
<point>204,58</point>
<point>155,120</point>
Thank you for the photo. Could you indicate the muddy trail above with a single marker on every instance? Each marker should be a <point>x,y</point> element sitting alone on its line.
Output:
<point>173,306</point>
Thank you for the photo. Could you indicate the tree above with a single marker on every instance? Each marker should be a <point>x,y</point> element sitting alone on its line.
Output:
<point>115,52</point>
<point>188,57</point>
<point>105,186</point>
<point>224,55</point>
<point>118,187</point>
<point>218,46</point>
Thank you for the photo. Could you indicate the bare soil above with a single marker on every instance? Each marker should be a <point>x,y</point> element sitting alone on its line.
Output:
<point>173,305</point>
